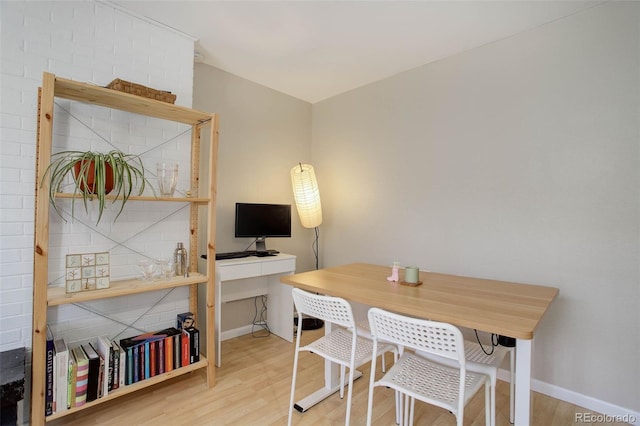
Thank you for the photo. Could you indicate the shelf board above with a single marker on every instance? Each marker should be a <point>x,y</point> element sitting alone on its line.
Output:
<point>134,387</point>
<point>196,200</point>
<point>88,93</point>
<point>58,295</point>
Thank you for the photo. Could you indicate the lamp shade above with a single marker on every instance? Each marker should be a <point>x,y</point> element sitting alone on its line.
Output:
<point>307,195</point>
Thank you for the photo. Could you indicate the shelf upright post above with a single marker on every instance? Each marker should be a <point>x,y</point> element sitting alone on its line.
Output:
<point>211,250</point>
<point>41,249</point>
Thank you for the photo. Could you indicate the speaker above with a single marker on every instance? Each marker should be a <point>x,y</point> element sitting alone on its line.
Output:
<point>309,323</point>
<point>508,342</point>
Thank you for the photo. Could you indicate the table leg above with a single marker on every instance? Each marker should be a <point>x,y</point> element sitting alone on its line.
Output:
<point>523,382</point>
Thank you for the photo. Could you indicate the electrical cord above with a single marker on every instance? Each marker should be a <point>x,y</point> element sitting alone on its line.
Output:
<point>494,342</point>
<point>260,320</point>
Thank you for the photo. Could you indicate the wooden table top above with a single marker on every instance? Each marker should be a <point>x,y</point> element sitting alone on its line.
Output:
<point>500,307</point>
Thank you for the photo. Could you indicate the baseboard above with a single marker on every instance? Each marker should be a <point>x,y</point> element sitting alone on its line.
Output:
<point>612,412</point>
<point>237,332</point>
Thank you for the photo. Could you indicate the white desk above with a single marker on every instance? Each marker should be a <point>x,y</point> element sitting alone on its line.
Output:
<point>229,287</point>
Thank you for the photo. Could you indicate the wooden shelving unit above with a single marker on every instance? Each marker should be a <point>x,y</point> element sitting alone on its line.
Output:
<point>43,296</point>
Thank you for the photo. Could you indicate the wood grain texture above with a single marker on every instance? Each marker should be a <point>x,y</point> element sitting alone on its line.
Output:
<point>253,389</point>
<point>500,307</point>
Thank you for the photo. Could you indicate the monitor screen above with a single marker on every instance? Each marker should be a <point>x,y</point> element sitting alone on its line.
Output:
<point>263,220</point>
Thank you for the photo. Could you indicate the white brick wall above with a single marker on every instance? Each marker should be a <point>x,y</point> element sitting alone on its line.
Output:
<point>85,41</point>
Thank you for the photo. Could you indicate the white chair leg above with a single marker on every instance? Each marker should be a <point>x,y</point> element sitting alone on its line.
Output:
<point>342,367</point>
<point>412,410</point>
<point>372,380</point>
<point>407,403</point>
<point>349,393</point>
<point>489,414</point>
<point>492,400</point>
<point>293,387</point>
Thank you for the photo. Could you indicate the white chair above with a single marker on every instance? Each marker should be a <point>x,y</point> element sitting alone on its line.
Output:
<point>418,377</point>
<point>342,346</point>
<point>364,330</point>
<point>479,361</point>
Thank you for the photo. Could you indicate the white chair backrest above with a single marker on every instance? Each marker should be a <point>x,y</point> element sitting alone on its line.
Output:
<point>332,309</point>
<point>438,338</point>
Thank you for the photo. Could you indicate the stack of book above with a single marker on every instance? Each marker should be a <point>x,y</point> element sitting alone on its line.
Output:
<point>84,373</point>
<point>81,374</point>
<point>150,354</point>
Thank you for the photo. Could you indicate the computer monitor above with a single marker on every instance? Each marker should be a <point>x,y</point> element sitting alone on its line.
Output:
<point>260,221</point>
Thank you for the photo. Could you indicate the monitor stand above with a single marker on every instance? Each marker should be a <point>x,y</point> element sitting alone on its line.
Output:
<point>261,245</point>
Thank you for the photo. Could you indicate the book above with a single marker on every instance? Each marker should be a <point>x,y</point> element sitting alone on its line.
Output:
<point>48,408</point>
<point>168,353</point>
<point>185,320</point>
<point>146,363</point>
<point>141,350</point>
<point>121,359</point>
<point>153,349</point>
<point>184,348</point>
<point>71,381</point>
<point>129,366</point>
<point>128,345</point>
<point>160,363</point>
<point>177,350</point>
<point>94,370</point>
<point>194,344</point>
<point>136,363</point>
<point>103,347</point>
<point>61,374</point>
<point>100,370</point>
<point>82,375</point>
<point>115,362</point>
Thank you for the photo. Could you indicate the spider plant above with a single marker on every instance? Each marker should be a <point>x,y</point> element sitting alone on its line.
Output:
<point>96,175</point>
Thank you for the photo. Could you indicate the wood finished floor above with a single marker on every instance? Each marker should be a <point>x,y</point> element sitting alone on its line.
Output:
<point>253,385</point>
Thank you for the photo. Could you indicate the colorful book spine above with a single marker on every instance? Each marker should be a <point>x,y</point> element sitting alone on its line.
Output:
<point>129,366</point>
<point>168,353</point>
<point>48,409</point>
<point>194,344</point>
<point>123,365</point>
<point>136,363</point>
<point>71,381</point>
<point>160,362</point>
<point>177,346</point>
<point>103,347</point>
<point>82,375</point>
<point>185,349</point>
<point>101,373</point>
<point>94,369</point>
<point>153,348</point>
<point>147,369</point>
<point>62,374</point>
<point>113,367</point>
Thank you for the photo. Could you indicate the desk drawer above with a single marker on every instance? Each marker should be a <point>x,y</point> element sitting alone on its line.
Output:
<point>236,272</point>
<point>278,267</point>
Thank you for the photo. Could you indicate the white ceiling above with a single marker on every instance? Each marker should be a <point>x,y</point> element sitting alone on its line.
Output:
<point>313,50</point>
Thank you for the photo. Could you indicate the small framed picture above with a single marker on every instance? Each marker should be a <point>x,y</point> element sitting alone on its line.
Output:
<point>87,271</point>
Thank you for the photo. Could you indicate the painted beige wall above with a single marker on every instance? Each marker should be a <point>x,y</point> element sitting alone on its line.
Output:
<point>518,161</point>
<point>263,133</point>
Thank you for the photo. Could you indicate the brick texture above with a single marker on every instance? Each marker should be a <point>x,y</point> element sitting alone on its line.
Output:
<point>91,42</point>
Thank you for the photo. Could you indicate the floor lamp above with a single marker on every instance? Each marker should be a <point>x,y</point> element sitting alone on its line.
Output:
<point>307,197</point>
